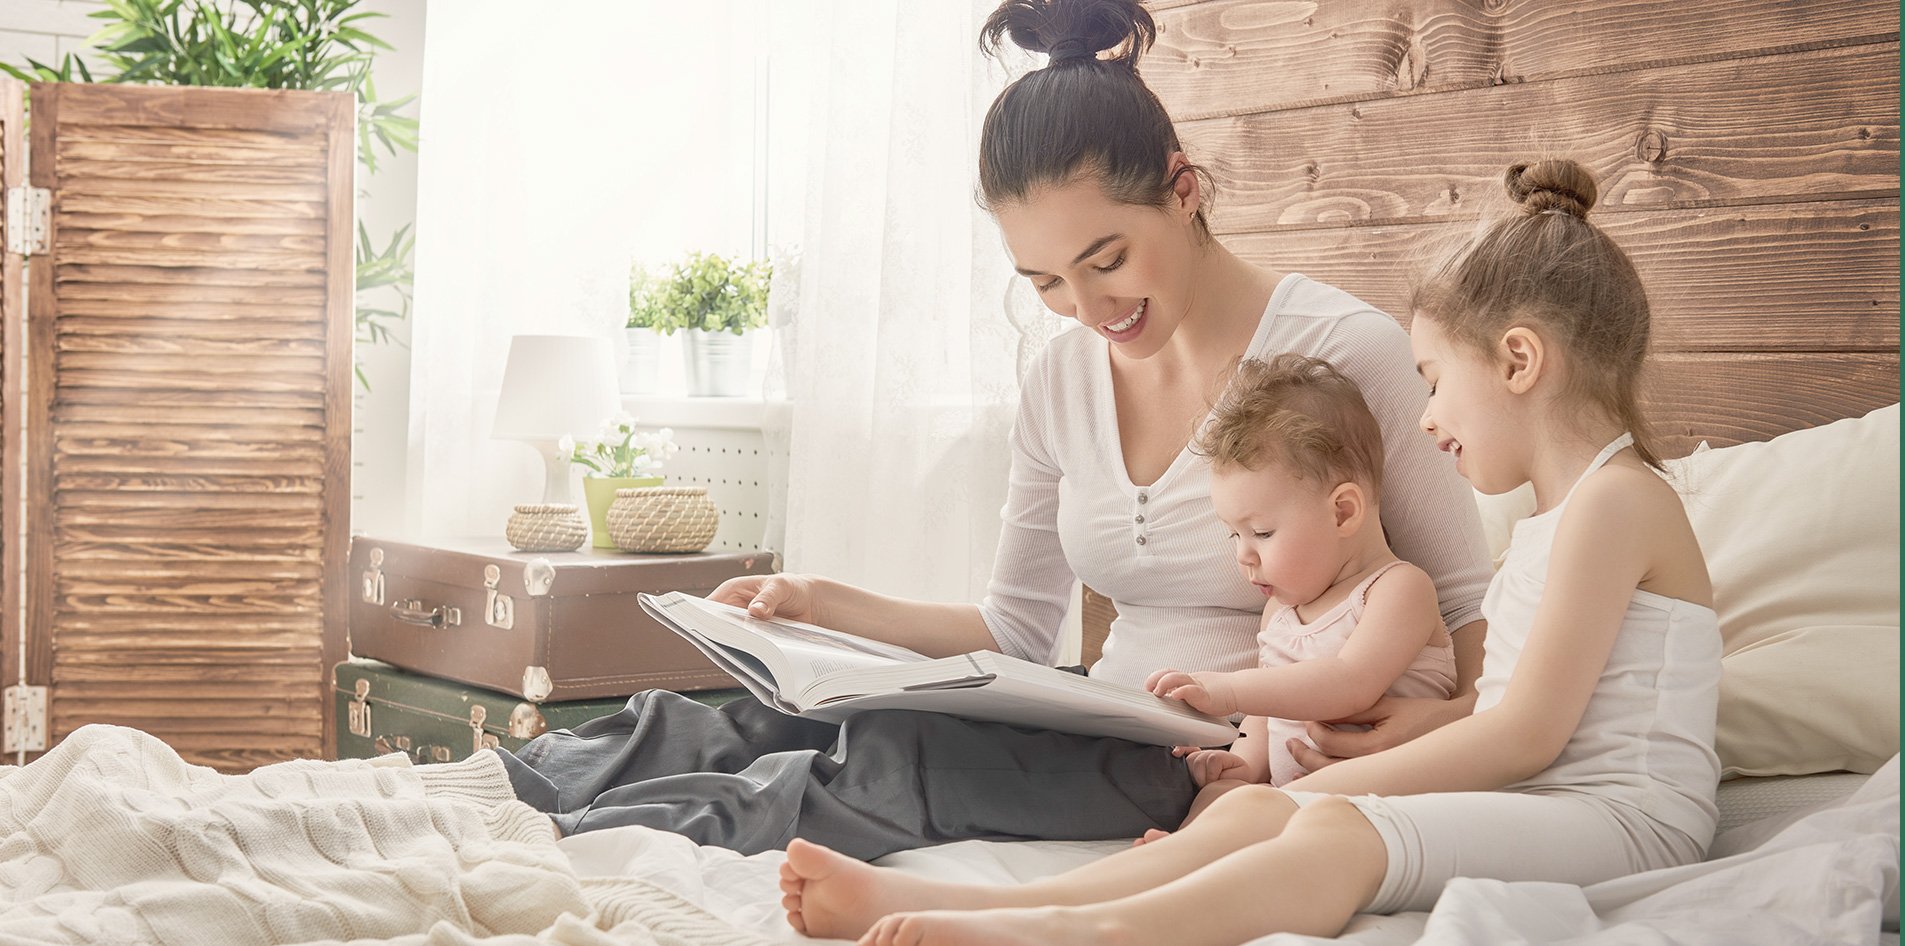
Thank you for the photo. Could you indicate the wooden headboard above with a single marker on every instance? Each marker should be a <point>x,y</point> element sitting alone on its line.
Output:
<point>1747,152</point>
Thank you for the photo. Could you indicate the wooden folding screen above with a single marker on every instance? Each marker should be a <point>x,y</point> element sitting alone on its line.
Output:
<point>12,313</point>
<point>188,414</point>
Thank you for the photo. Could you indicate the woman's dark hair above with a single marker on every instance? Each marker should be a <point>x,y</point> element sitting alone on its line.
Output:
<point>1086,112</point>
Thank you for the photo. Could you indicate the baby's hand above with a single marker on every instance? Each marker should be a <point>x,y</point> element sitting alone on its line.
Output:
<point>1212,765</point>
<point>1205,692</point>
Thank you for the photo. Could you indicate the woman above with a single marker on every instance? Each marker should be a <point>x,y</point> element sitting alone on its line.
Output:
<point>1103,212</point>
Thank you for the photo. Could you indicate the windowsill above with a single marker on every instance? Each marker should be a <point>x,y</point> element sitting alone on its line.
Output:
<point>724,413</point>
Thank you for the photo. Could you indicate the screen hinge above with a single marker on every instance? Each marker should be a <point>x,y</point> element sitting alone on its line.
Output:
<point>29,217</point>
<point>24,728</point>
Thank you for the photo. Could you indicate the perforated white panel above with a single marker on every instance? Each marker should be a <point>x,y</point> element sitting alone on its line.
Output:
<point>721,449</point>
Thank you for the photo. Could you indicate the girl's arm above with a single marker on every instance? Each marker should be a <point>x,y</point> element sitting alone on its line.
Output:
<point>1399,620</point>
<point>1603,548</point>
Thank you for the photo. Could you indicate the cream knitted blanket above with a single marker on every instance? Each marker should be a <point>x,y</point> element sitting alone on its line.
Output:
<point>112,838</point>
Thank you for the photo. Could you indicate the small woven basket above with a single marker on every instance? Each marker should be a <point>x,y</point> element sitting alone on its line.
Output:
<point>662,519</point>
<point>546,527</point>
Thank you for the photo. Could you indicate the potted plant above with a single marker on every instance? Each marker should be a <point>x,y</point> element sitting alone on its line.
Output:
<point>717,302</point>
<point>620,458</point>
<point>642,368</point>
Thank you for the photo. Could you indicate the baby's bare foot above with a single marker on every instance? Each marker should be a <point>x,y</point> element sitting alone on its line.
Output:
<point>1037,926</point>
<point>828,894</point>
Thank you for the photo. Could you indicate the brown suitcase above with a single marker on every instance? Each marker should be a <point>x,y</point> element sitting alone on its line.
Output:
<point>545,626</point>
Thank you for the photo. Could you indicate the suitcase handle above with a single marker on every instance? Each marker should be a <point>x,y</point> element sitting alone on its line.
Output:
<point>410,611</point>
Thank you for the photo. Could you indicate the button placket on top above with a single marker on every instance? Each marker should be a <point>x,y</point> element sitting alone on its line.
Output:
<point>1138,528</point>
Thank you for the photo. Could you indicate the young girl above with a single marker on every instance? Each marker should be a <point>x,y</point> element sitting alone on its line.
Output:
<point>1296,478</point>
<point>1590,753</point>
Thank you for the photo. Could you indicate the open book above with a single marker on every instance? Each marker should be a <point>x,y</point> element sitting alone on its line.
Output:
<point>809,671</point>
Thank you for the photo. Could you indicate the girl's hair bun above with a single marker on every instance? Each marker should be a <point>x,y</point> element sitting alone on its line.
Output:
<point>1072,30</point>
<point>1558,186</point>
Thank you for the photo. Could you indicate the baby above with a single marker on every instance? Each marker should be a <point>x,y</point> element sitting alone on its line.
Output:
<point>1296,476</point>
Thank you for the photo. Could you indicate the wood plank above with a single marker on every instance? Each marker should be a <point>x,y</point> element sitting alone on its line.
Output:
<point>171,523</point>
<point>211,330</point>
<point>156,383</point>
<point>102,190</point>
<point>1817,276</point>
<point>207,206</point>
<point>183,603</point>
<point>1228,57</point>
<point>210,349</point>
<point>108,410</point>
<point>74,552</point>
<point>221,716</point>
<point>78,251</point>
<point>303,154</point>
<point>196,241</point>
<point>291,506</point>
<point>135,570</point>
<point>129,312</point>
<point>138,364</point>
<point>193,136</point>
<point>264,441</point>
<point>42,390</point>
<point>125,289</point>
<point>335,589</point>
<point>240,671</point>
<point>263,633</point>
<point>235,172</point>
<point>129,276</point>
<point>206,482</point>
<point>1733,398</point>
<point>1665,137</point>
<point>13,347</point>
<point>296,113</point>
<point>74,472</point>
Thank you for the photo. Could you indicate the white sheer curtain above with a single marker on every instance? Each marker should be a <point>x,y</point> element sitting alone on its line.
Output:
<point>559,142</point>
<point>898,356</point>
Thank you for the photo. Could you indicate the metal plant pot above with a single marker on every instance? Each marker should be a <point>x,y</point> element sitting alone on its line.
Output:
<point>641,370</point>
<point>717,362</point>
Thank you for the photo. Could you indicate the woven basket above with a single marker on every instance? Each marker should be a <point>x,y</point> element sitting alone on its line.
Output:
<point>662,519</point>
<point>550,527</point>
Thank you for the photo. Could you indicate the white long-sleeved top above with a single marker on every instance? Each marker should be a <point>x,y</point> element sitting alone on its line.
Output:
<point>1158,550</point>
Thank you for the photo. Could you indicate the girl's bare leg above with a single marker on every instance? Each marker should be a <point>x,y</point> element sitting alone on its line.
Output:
<point>1311,879</point>
<point>829,894</point>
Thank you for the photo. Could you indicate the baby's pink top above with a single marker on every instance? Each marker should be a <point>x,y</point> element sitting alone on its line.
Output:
<point>1285,639</point>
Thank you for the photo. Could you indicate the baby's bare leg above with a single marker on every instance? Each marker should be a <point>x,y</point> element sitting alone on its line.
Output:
<point>1311,879</point>
<point>1209,793</point>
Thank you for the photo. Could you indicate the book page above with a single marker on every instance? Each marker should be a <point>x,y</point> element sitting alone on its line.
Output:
<point>839,651</point>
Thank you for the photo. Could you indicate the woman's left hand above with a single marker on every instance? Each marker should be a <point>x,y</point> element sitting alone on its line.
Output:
<point>1393,721</point>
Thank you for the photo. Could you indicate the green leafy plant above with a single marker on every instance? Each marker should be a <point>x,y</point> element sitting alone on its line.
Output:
<point>619,451</point>
<point>709,292</point>
<point>267,44</point>
<point>644,298</point>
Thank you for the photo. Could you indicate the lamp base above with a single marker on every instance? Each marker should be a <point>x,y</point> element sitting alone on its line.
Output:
<point>555,477</point>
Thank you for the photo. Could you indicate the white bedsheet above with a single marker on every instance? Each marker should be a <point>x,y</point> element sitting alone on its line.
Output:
<point>1826,872</point>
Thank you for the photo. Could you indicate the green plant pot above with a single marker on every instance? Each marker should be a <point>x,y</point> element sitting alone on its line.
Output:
<point>600,491</point>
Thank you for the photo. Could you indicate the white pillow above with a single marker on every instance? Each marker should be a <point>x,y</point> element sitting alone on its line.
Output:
<point>1801,537</point>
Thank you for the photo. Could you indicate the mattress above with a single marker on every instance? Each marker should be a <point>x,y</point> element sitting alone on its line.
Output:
<point>744,891</point>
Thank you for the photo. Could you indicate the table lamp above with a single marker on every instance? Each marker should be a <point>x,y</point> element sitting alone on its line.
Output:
<point>555,385</point>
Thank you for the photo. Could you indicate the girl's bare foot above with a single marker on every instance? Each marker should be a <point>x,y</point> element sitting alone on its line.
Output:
<point>1035,926</point>
<point>830,895</point>
<point>1151,835</point>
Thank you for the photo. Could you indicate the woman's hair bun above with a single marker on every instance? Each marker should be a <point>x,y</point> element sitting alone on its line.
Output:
<point>1558,185</point>
<point>1068,30</point>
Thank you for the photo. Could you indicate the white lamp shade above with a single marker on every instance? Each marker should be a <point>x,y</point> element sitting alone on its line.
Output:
<point>555,385</point>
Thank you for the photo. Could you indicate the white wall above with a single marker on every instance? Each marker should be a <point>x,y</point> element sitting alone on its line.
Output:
<point>47,30</point>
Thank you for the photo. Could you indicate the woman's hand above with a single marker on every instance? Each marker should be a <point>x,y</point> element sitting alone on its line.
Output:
<point>1205,692</point>
<point>1393,721</point>
<point>794,597</point>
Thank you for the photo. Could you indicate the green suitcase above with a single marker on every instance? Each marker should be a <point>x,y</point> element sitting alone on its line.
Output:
<point>381,709</point>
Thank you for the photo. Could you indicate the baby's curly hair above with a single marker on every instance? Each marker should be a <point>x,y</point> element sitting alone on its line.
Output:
<point>1301,413</point>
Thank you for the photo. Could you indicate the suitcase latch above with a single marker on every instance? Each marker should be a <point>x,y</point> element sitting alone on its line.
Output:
<point>526,722</point>
<point>360,710</point>
<point>480,740</point>
<point>499,609</point>
<point>374,578</point>
<point>536,684</point>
